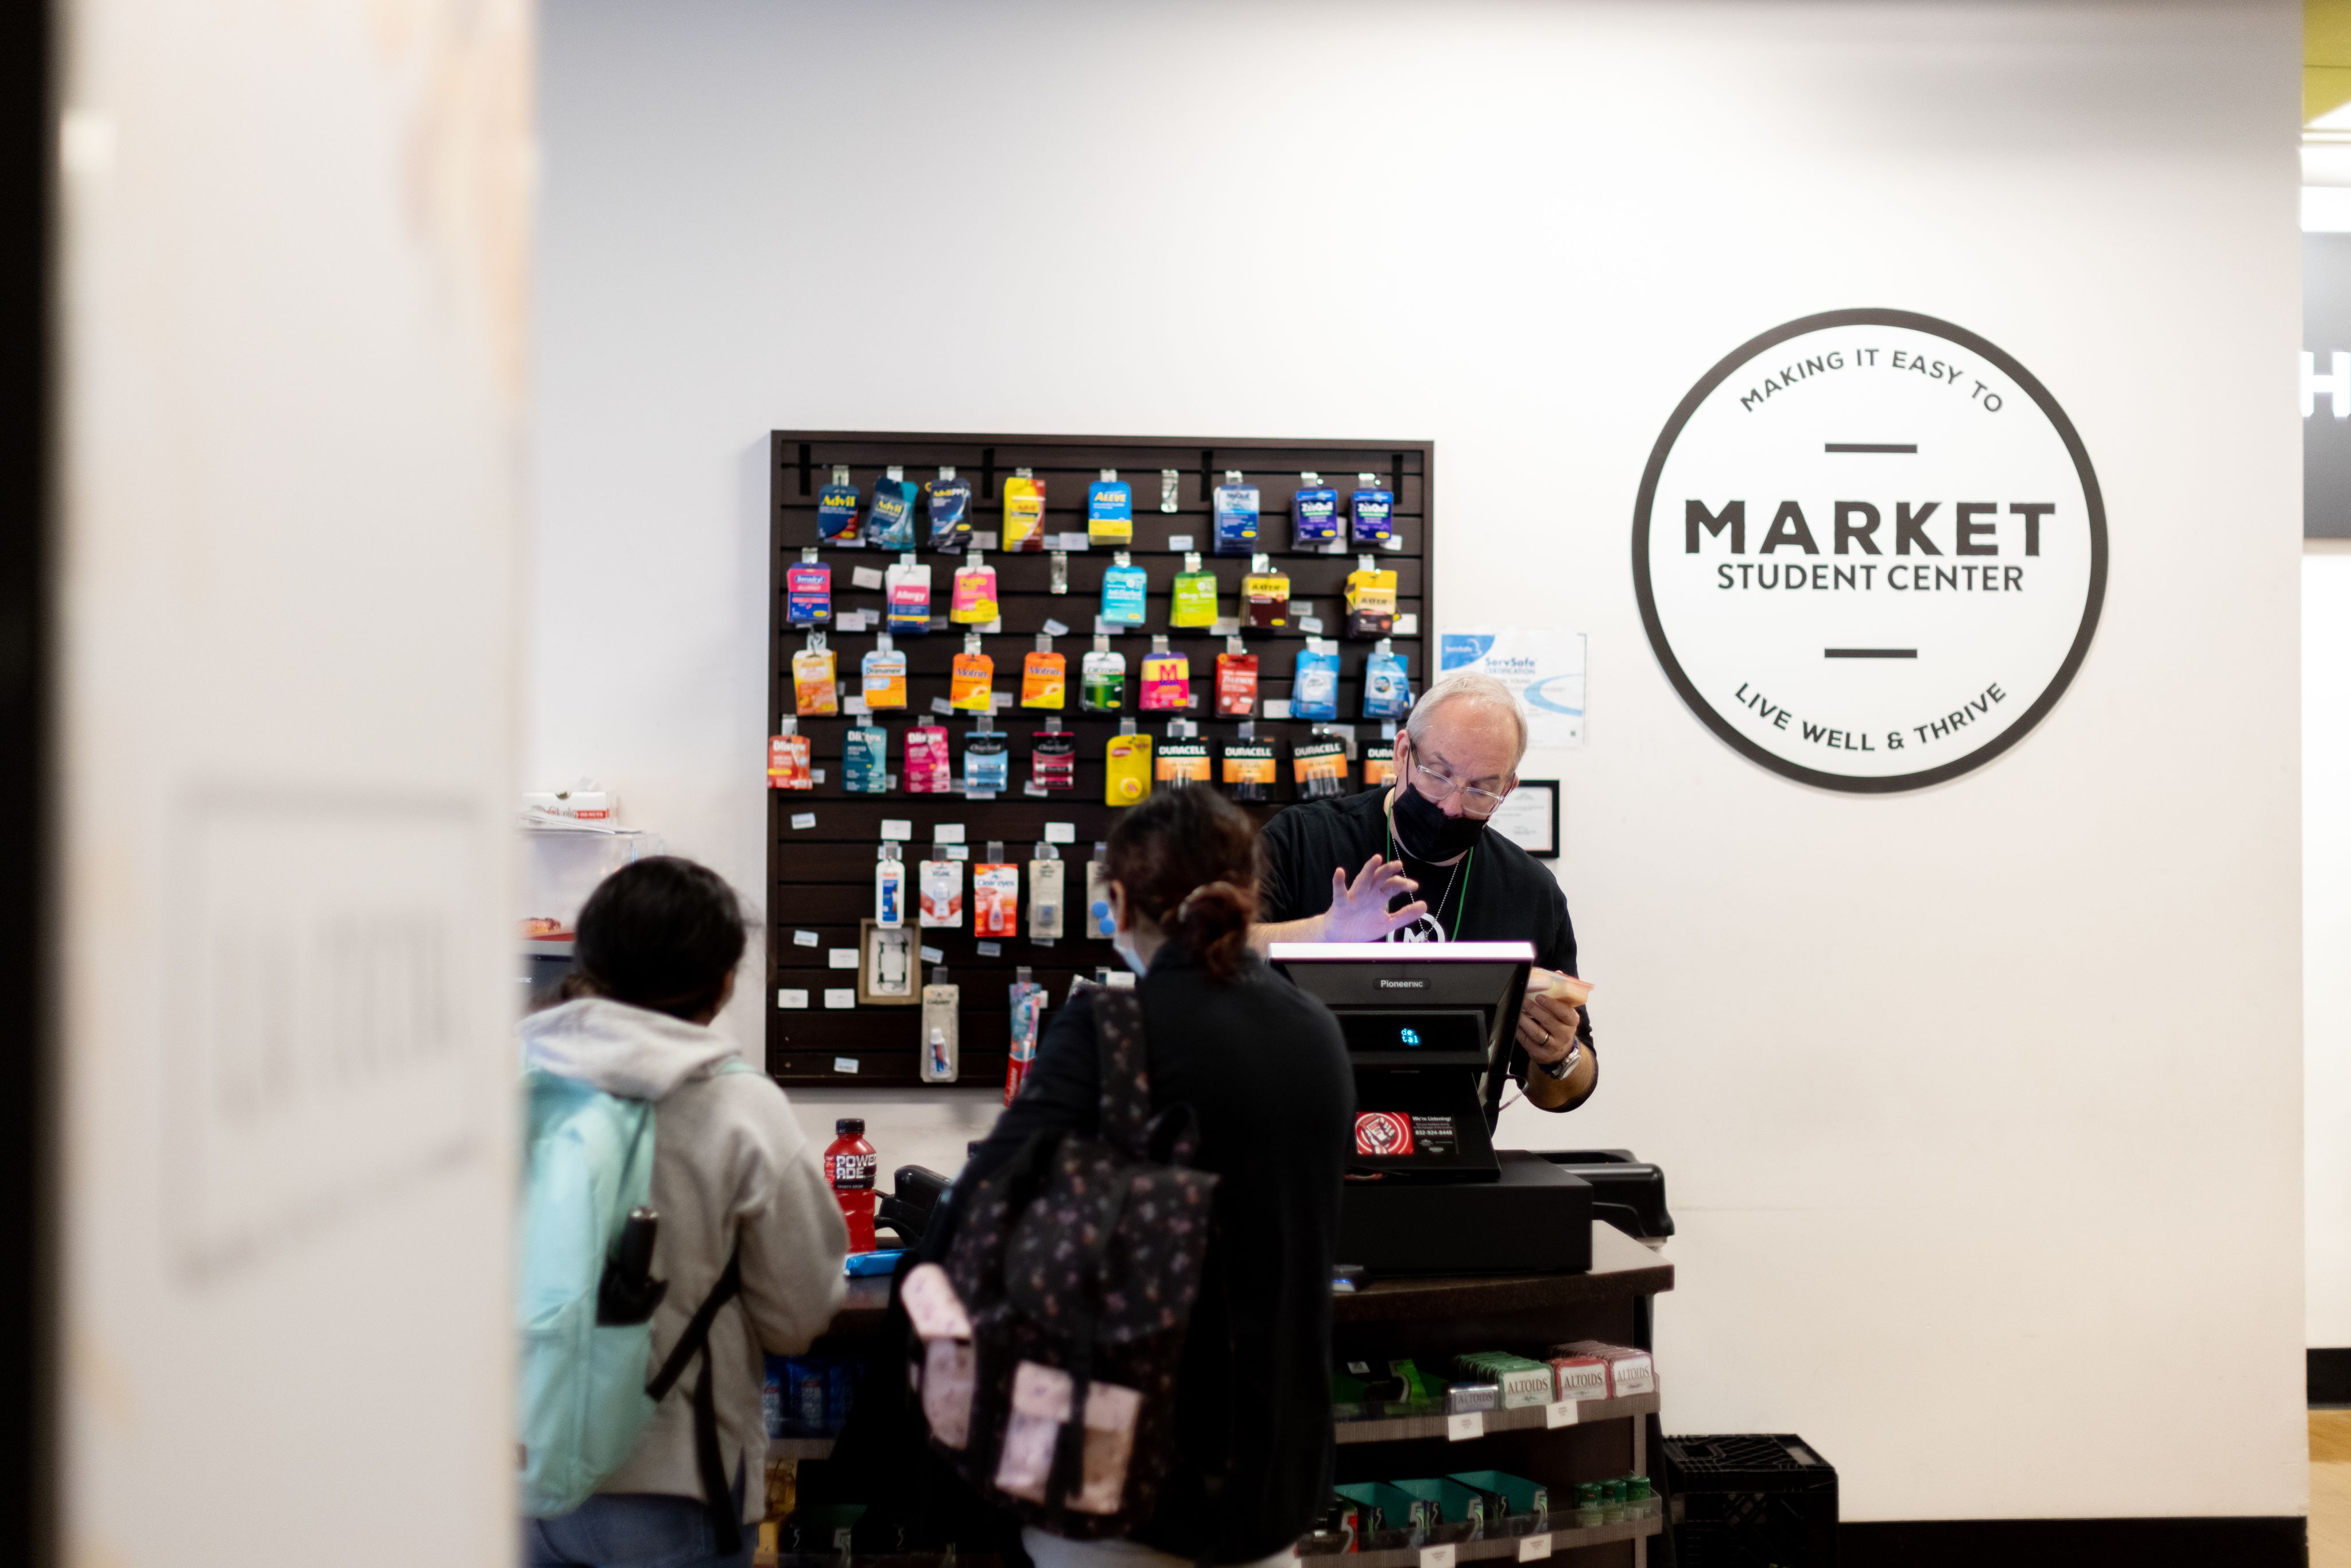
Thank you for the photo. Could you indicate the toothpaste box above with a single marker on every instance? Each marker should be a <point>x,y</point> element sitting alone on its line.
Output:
<point>1630,1371</point>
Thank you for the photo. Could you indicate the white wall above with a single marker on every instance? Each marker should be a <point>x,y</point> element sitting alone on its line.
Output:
<point>1943,1080</point>
<point>2326,933</point>
<point>292,261</point>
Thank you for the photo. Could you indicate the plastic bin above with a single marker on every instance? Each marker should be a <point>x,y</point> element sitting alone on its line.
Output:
<point>1751,1502</point>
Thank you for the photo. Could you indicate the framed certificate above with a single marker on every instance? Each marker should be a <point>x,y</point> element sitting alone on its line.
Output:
<point>1530,817</point>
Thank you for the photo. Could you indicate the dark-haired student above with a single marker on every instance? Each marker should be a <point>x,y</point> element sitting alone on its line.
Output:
<point>733,1176</point>
<point>1262,1066</point>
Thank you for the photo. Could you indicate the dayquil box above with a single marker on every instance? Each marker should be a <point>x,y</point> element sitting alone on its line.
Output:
<point>1630,1371</point>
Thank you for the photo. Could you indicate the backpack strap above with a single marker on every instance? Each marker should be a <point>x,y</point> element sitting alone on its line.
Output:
<point>717,1492</point>
<point>1125,1071</point>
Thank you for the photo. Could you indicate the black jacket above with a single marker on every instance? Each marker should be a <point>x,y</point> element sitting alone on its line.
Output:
<point>1265,1071</point>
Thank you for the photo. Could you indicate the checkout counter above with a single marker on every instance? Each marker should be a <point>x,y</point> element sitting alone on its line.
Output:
<point>1448,1245</point>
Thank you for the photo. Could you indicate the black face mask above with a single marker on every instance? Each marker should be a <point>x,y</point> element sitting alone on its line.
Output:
<point>1425,833</point>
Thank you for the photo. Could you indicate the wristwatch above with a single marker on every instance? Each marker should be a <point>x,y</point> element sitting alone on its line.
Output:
<point>1565,1064</point>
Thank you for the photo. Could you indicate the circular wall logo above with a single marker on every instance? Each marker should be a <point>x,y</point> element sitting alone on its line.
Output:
<point>1870,550</point>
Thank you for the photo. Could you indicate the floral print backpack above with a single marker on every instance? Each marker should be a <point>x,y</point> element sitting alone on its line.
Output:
<point>1048,1347</point>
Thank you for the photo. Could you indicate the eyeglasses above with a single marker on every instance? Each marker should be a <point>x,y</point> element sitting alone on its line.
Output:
<point>1475,803</point>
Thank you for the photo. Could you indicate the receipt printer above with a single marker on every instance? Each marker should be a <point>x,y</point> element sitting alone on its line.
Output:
<point>1428,1029</point>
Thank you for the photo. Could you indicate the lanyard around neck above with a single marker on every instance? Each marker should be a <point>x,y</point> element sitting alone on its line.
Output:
<point>1460,905</point>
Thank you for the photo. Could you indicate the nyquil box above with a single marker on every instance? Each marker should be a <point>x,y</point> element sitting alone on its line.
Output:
<point>1630,1371</point>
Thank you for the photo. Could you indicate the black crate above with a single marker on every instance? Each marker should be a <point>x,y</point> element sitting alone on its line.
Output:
<point>1751,1502</point>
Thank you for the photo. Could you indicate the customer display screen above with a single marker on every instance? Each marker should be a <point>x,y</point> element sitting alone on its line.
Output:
<point>1420,1033</point>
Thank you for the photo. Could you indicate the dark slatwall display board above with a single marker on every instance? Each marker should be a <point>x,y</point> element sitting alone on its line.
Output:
<point>820,878</point>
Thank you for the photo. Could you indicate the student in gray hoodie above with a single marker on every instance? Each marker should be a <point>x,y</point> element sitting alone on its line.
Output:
<point>658,945</point>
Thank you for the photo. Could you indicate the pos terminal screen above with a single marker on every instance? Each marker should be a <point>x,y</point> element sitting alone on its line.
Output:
<point>1401,1036</point>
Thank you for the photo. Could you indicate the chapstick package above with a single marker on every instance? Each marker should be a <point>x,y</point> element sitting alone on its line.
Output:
<point>929,769</point>
<point>865,761</point>
<point>986,765</point>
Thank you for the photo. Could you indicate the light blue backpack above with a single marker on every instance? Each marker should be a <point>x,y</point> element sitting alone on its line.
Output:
<point>585,1384</point>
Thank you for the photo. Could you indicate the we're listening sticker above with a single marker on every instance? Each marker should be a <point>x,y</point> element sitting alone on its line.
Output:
<point>1870,550</point>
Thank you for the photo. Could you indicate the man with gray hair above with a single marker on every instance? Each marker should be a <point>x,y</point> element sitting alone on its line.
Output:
<point>1428,871</point>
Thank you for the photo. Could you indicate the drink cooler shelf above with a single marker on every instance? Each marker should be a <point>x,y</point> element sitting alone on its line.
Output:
<point>1405,1428</point>
<point>1564,1538</point>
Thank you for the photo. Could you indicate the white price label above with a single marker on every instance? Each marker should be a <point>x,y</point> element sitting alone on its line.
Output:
<point>1070,541</point>
<point>1055,629</point>
<point>1179,543</point>
<point>983,538</point>
<point>946,833</point>
<point>864,577</point>
<point>1277,708</point>
<point>1309,624</point>
<point>1437,1556</point>
<point>989,949</point>
<point>901,829</point>
<point>956,852</point>
<point>791,999</point>
<point>1408,626</point>
<point>853,707</point>
<point>1533,1548</point>
<point>935,956</point>
<point>804,938</point>
<point>844,1064</point>
<point>816,775</point>
<point>1469,1424</point>
<point>840,958</point>
<point>941,706</point>
<point>1060,832</point>
<point>840,997</point>
<point>803,819</point>
<point>1560,1413</point>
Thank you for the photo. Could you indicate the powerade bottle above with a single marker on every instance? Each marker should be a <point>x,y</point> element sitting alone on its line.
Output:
<point>848,1162</point>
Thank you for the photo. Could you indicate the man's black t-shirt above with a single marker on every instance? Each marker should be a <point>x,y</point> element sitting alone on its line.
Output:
<point>1497,893</point>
